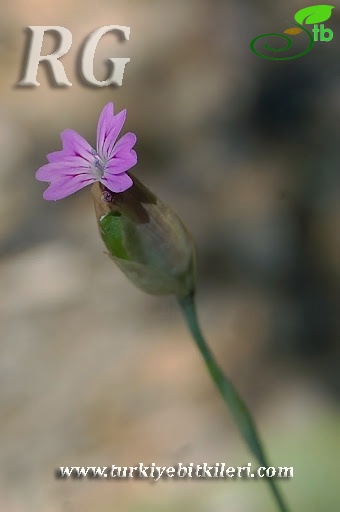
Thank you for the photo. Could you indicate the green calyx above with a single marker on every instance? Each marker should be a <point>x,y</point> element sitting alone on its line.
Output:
<point>147,240</point>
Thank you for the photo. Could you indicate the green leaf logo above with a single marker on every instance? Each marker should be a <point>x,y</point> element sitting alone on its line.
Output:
<point>314,14</point>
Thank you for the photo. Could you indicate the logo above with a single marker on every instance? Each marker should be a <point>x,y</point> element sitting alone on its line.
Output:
<point>85,57</point>
<point>312,15</point>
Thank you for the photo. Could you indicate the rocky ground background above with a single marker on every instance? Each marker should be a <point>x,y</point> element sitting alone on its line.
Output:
<point>94,372</point>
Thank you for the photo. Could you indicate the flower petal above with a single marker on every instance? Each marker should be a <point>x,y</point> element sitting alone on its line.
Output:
<point>117,183</point>
<point>123,163</point>
<point>66,186</point>
<point>125,143</point>
<point>55,170</point>
<point>104,125</point>
<point>110,140</point>
<point>57,156</point>
<point>74,144</point>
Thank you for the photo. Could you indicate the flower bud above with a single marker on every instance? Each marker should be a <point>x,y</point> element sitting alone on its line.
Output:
<point>146,239</point>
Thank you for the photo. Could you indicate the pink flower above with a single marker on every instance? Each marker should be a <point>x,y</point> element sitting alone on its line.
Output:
<point>78,164</point>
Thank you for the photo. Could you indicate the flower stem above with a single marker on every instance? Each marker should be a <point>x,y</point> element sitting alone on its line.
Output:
<point>229,394</point>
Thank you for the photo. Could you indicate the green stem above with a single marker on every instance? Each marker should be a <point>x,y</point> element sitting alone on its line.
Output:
<point>229,394</point>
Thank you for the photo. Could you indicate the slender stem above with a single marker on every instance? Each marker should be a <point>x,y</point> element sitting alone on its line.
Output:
<point>229,394</point>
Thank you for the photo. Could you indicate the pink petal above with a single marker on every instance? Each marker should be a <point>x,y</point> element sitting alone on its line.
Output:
<point>104,125</point>
<point>125,143</point>
<point>110,140</point>
<point>55,170</point>
<point>117,183</point>
<point>57,156</point>
<point>66,186</point>
<point>75,144</point>
<point>123,163</point>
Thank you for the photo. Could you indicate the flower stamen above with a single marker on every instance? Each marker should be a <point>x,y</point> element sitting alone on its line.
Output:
<point>98,168</point>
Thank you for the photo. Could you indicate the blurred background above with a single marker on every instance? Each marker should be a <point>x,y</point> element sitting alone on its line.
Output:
<point>246,151</point>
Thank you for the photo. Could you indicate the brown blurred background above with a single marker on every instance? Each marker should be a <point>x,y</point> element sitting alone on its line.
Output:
<point>246,150</point>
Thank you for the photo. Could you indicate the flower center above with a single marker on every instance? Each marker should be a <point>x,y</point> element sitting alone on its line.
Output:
<point>98,166</point>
